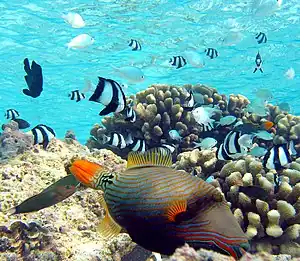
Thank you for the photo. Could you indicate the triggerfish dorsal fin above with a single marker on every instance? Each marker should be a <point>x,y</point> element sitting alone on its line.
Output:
<point>108,228</point>
<point>178,207</point>
<point>153,157</point>
<point>86,172</point>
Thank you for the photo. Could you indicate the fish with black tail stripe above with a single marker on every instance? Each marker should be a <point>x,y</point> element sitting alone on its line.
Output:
<point>189,102</point>
<point>109,93</point>
<point>235,145</point>
<point>42,134</point>
<point>76,95</point>
<point>135,45</point>
<point>11,114</point>
<point>211,53</point>
<point>138,145</point>
<point>261,38</point>
<point>277,157</point>
<point>34,79</point>
<point>258,62</point>
<point>130,114</point>
<point>114,139</point>
<point>177,61</point>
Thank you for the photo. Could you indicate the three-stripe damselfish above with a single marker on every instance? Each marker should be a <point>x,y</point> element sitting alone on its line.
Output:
<point>162,208</point>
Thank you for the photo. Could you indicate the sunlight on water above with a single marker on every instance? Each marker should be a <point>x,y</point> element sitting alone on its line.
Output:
<point>35,29</point>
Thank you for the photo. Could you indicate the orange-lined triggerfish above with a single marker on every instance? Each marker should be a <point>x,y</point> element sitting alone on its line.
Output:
<point>162,208</point>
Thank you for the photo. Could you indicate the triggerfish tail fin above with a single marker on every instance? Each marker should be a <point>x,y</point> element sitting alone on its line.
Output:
<point>216,228</point>
<point>107,227</point>
<point>55,193</point>
<point>87,173</point>
<point>153,157</point>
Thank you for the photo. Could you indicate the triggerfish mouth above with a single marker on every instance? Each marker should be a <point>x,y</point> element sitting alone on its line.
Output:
<point>162,208</point>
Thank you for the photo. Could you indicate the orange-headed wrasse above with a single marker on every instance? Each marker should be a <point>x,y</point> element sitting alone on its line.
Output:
<point>33,78</point>
<point>57,192</point>
<point>162,208</point>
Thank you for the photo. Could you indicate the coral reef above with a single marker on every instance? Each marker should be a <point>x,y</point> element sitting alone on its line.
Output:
<point>160,109</point>
<point>271,219</point>
<point>270,216</point>
<point>204,162</point>
<point>288,126</point>
<point>13,142</point>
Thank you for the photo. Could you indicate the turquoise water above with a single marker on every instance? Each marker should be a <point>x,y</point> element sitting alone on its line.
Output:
<point>35,29</point>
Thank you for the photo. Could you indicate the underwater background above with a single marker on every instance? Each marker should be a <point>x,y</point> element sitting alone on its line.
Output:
<point>36,30</point>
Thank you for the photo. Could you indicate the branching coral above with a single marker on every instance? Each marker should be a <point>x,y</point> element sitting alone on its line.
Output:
<point>160,108</point>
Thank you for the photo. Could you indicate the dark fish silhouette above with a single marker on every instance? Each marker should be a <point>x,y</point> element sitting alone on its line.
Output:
<point>22,123</point>
<point>57,192</point>
<point>34,79</point>
<point>255,192</point>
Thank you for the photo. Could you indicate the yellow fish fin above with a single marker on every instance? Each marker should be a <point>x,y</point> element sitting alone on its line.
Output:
<point>152,157</point>
<point>108,228</point>
<point>176,208</point>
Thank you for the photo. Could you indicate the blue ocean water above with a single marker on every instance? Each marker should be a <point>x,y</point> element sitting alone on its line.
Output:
<point>35,29</point>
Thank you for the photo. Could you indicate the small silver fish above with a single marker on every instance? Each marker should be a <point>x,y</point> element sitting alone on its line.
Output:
<point>264,135</point>
<point>207,143</point>
<point>246,140</point>
<point>258,151</point>
<point>174,134</point>
<point>226,121</point>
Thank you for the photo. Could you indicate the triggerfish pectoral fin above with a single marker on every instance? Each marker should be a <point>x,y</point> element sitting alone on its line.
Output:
<point>55,193</point>
<point>86,172</point>
<point>108,228</point>
<point>178,208</point>
<point>217,229</point>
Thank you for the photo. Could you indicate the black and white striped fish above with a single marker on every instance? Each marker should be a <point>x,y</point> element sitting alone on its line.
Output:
<point>109,93</point>
<point>169,146</point>
<point>135,45</point>
<point>292,149</point>
<point>207,127</point>
<point>42,134</point>
<point>277,157</point>
<point>11,114</point>
<point>138,145</point>
<point>177,61</point>
<point>211,52</point>
<point>130,114</point>
<point>235,145</point>
<point>261,38</point>
<point>115,140</point>
<point>76,95</point>
<point>258,62</point>
<point>190,102</point>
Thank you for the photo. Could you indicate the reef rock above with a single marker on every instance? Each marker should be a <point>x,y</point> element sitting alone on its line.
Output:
<point>13,141</point>
<point>66,231</point>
